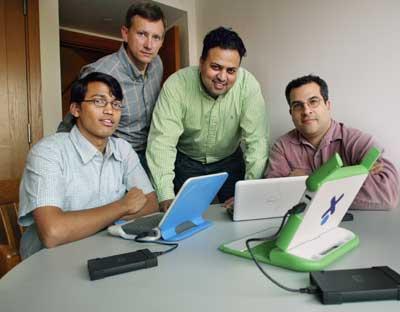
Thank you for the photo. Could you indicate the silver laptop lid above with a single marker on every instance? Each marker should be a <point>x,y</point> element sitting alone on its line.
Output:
<point>267,198</point>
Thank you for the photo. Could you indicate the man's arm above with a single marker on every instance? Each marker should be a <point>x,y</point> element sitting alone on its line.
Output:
<point>151,206</point>
<point>278,166</point>
<point>255,131</point>
<point>56,227</point>
<point>166,128</point>
<point>380,190</point>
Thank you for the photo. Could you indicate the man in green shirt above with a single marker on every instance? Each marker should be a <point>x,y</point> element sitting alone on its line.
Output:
<point>202,115</point>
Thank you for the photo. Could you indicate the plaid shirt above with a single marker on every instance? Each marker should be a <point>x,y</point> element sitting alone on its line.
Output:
<point>140,95</point>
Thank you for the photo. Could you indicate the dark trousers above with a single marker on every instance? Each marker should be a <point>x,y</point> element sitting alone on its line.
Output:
<point>185,168</point>
<point>143,161</point>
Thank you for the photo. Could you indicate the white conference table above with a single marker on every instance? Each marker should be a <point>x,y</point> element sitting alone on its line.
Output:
<point>194,277</point>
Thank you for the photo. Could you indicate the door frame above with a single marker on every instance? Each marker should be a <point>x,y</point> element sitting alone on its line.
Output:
<point>34,80</point>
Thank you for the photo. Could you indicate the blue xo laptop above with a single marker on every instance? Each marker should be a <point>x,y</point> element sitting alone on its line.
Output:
<point>183,218</point>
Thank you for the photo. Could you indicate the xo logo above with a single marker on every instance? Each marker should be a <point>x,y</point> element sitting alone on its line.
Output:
<point>331,210</point>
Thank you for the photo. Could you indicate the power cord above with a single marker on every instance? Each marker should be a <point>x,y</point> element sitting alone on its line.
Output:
<point>296,209</point>
<point>139,237</point>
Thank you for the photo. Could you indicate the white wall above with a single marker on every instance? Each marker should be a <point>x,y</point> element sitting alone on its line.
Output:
<point>50,65</point>
<point>353,44</point>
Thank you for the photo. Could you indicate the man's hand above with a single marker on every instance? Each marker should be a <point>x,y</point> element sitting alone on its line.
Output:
<point>164,205</point>
<point>297,172</point>
<point>229,202</point>
<point>378,167</point>
<point>134,200</point>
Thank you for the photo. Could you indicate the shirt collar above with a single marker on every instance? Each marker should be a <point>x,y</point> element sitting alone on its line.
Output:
<point>334,133</point>
<point>87,151</point>
<point>204,91</point>
<point>131,67</point>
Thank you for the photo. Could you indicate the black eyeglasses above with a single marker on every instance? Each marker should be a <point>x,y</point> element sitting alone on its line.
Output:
<point>117,105</point>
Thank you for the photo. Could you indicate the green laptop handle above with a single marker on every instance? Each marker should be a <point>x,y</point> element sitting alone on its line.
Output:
<point>329,169</point>
<point>370,158</point>
<point>315,180</point>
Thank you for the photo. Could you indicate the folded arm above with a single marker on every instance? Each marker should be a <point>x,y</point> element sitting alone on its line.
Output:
<point>380,190</point>
<point>57,227</point>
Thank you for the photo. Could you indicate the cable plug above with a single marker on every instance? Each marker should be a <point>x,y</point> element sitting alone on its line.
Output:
<point>309,290</point>
<point>299,208</point>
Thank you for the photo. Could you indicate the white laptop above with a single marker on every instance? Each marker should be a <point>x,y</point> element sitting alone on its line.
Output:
<point>266,198</point>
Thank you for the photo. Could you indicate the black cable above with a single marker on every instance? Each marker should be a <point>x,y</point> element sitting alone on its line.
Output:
<point>296,209</point>
<point>157,253</point>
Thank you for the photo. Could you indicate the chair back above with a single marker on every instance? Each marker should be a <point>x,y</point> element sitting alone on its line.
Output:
<point>10,231</point>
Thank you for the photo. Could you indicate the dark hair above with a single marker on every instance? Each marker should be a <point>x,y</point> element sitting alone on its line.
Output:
<point>224,38</point>
<point>147,10</point>
<point>296,83</point>
<point>79,87</point>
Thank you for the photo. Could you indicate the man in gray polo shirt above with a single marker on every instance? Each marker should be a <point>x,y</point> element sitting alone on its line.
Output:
<point>138,69</point>
<point>77,183</point>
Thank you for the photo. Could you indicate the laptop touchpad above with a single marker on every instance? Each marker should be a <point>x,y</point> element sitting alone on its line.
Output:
<point>143,224</point>
<point>184,227</point>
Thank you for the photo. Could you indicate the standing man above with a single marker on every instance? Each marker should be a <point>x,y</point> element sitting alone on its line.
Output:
<point>317,137</point>
<point>202,115</point>
<point>77,183</point>
<point>138,69</point>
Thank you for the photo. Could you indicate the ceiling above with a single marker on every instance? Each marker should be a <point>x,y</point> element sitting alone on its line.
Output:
<point>104,17</point>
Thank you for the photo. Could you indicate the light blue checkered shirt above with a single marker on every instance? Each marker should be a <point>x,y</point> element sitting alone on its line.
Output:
<point>65,170</point>
<point>140,95</point>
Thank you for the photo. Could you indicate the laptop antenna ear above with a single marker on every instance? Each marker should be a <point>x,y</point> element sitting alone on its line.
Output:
<point>370,158</point>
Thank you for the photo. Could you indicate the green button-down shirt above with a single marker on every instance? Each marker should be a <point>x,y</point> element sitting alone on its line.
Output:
<point>206,129</point>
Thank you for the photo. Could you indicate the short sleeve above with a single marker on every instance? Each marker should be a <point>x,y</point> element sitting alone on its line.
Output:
<point>42,182</point>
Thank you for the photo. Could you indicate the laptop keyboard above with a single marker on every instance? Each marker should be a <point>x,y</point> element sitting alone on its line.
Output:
<point>143,224</point>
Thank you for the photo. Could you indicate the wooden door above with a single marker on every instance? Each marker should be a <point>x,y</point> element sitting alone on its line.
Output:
<point>14,143</point>
<point>170,52</point>
<point>77,50</point>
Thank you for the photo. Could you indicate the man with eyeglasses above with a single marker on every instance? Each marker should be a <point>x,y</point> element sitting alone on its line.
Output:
<point>76,184</point>
<point>317,137</point>
<point>139,70</point>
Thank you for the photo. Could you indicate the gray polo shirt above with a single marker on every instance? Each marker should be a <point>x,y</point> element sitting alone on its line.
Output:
<point>140,95</point>
<point>65,170</point>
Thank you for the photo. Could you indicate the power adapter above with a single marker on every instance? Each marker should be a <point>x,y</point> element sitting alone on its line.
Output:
<point>339,286</point>
<point>131,261</point>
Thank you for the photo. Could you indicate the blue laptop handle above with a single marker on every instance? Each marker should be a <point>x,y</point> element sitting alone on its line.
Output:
<point>184,217</point>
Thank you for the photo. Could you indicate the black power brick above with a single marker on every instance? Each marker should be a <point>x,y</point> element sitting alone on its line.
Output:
<point>131,261</point>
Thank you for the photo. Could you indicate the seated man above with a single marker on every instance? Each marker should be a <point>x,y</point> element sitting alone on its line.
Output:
<point>202,114</point>
<point>317,137</point>
<point>77,183</point>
